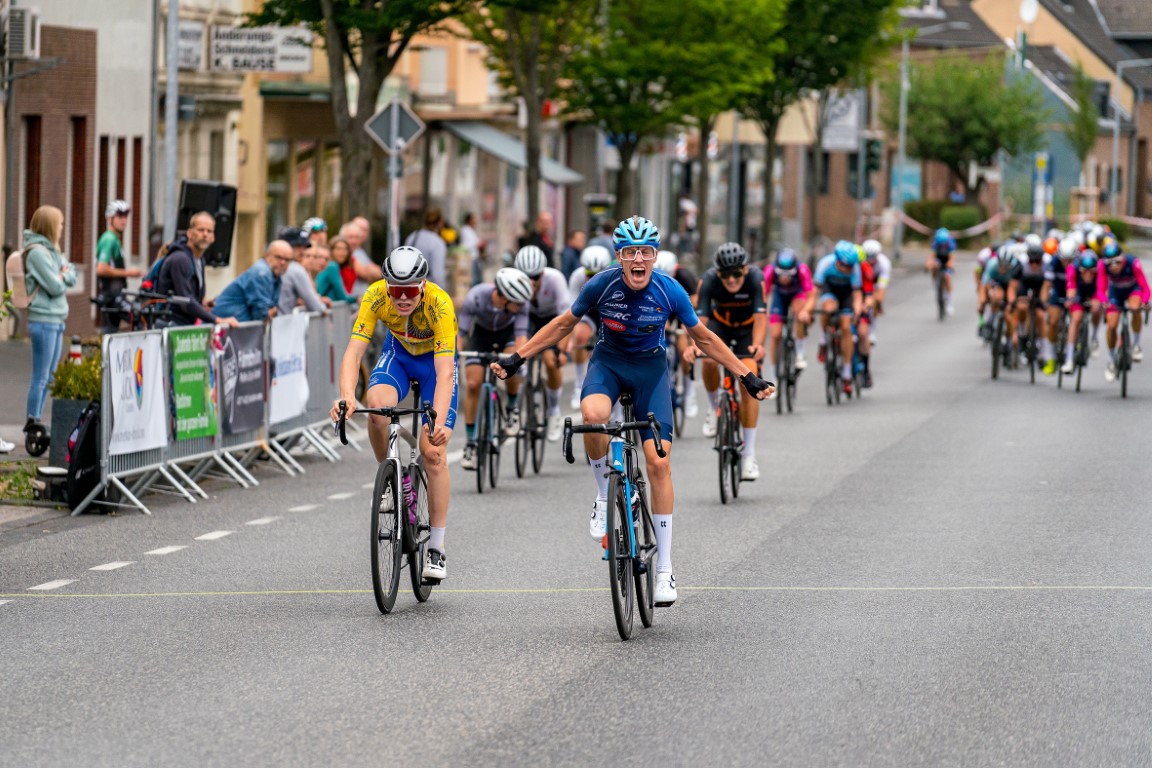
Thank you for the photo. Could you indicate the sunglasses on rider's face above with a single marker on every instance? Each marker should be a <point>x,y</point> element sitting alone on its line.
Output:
<point>404,291</point>
<point>1114,261</point>
<point>731,274</point>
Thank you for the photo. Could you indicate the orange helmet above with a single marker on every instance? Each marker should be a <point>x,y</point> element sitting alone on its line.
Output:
<point>1051,245</point>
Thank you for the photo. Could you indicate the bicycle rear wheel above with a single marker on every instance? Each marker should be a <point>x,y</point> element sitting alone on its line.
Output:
<point>419,532</point>
<point>522,448</point>
<point>620,574</point>
<point>386,541</point>
<point>941,309</point>
<point>1032,352</point>
<point>645,568</point>
<point>723,445</point>
<point>1124,358</point>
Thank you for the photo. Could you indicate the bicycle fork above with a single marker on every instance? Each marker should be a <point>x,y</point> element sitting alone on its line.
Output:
<point>616,464</point>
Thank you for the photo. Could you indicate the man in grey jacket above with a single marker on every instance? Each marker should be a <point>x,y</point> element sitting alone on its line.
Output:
<point>297,286</point>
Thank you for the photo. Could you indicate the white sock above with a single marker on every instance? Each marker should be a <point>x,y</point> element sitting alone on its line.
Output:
<point>1068,352</point>
<point>1136,339</point>
<point>714,398</point>
<point>553,401</point>
<point>948,298</point>
<point>600,472</point>
<point>689,389</point>
<point>1045,349</point>
<point>1095,331</point>
<point>663,525</point>
<point>436,539</point>
<point>846,371</point>
<point>749,442</point>
<point>581,372</point>
<point>800,347</point>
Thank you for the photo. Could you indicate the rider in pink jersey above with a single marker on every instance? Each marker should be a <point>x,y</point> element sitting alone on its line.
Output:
<point>788,283</point>
<point>1121,282</point>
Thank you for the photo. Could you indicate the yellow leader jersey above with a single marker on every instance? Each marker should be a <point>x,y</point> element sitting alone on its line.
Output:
<point>430,328</point>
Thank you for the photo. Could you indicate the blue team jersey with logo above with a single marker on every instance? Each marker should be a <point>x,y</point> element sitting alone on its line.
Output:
<point>632,322</point>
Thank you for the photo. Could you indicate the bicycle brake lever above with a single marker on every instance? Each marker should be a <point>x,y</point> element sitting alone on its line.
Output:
<point>657,440</point>
<point>341,420</point>
<point>567,444</point>
<point>430,414</point>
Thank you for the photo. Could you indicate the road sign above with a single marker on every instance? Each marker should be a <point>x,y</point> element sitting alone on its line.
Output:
<point>394,127</point>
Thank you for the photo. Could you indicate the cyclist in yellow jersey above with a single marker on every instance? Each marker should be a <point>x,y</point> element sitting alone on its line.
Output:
<point>420,346</point>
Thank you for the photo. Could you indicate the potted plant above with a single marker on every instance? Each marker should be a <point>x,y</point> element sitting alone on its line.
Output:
<point>76,385</point>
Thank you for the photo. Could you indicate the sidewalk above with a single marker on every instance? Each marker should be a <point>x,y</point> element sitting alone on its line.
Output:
<point>15,372</point>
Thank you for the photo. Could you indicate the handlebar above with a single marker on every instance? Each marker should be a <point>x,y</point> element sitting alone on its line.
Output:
<point>615,429</point>
<point>487,357</point>
<point>391,412</point>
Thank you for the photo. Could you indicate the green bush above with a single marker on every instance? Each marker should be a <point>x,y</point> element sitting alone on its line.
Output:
<point>957,217</point>
<point>1119,228</point>
<point>78,381</point>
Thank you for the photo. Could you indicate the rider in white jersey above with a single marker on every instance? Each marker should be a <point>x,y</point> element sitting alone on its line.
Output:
<point>550,298</point>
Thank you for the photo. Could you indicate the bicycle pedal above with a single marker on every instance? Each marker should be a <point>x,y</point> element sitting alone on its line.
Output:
<point>430,582</point>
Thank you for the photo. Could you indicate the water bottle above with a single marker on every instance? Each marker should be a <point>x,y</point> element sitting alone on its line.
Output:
<point>410,499</point>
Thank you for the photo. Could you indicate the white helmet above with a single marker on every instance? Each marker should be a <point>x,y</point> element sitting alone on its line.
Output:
<point>117,207</point>
<point>1068,248</point>
<point>531,260</point>
<point>514,285</point>
<point>666,262</point>
<point>595,258</point>
<point>405,266</point>
<point>871,248</point>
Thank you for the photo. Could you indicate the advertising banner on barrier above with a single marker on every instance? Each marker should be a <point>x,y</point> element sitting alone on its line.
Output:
<point>242,379</point>
<point>193,382</point>
<point>288,395</point>
<point>139,413</point>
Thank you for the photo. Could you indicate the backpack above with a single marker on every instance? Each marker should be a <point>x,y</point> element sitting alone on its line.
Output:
<point>83,457</point>
<point>14,267</point>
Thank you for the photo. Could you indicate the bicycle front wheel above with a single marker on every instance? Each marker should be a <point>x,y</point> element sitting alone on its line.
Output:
<point>386,542</point>
<point>496,441</point>
<point>419,530</point>
<point>724,445</point>
<point>483,439</point>
<point>620,574</point>
<point>538,421</point>
<point>644,565</point>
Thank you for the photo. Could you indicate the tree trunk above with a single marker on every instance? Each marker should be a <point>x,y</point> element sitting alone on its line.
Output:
<point>624,204</point>
<point>704,187</point>
<point>769,130</point>
<point>817,165</point>
<point>533,106</point>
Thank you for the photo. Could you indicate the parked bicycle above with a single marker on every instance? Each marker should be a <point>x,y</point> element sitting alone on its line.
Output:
<point>630,541</point>
<point>400,524</point>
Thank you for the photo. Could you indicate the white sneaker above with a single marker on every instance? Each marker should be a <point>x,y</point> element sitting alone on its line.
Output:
<point>801,363</point>
<point>749,469</point>
<point>512,427</point>
<point>6,447</point>
<point>691,409</point>
<point>468,460</point>
<point>710,423</point>
<point>1110,372</point>
<point>1069,366</point>
<point>1137,354</point>
<point>434,569</point>
<point>555,428</point>
<point>665,594</point>
<point>598,523</point>
<point>574,403</point>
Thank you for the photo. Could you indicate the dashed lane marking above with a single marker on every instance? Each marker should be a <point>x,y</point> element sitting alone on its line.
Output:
<point>2,602</point>
<point>112,566</point>
<point>341,496</point>
<point>167,550</point>
<point>368,486</point>
<point>214,535</point>
<point>303,508</point>
<point>52,584</point>
<point>262,521</point>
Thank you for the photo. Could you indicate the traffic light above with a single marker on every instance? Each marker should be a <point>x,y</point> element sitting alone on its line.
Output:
<point>873,152</point>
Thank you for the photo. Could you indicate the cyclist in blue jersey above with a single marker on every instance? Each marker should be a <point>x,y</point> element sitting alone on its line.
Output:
<point>943,257</point>
<point>634,304</point>
<point>841,292</point>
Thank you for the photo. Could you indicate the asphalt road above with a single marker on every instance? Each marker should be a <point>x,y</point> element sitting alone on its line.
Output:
<point>950,572</point>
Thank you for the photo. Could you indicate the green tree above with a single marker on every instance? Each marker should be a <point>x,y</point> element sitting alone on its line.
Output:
<point>1084,123</point>
<point>962,111</point>
<point>368,38</point>
<point>821,44</point>
<point>529,42</point>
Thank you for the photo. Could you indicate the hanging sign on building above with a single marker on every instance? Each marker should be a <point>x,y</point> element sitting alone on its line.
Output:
<point>191,44</point>
<point>261,49</point>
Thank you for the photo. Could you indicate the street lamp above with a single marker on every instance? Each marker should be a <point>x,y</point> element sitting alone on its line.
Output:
<point>1113,177</point>
<point>901,158</point>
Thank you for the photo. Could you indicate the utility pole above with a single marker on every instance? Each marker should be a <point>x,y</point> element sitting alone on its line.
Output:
<point>171,96</point>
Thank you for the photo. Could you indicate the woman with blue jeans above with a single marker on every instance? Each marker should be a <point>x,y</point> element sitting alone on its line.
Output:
<point>47,276</point>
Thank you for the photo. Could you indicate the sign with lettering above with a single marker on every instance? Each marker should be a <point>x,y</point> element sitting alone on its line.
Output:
<point>193,382</point>
<point>139,413</point>
<point>190,48</point>
<point>242,379</point>
<point>261,49</point>
<point>288,395</point>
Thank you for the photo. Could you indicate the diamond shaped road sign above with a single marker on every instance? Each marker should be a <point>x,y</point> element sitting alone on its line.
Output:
<point>394,127</point>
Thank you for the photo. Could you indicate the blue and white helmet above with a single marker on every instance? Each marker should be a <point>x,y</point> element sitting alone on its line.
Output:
<point>636,230</point>
<point>847,254</point>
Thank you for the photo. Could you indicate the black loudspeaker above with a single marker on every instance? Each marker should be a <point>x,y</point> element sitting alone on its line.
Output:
<point>220,201</point>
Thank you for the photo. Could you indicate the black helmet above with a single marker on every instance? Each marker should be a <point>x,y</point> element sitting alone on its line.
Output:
<point>731,256</point>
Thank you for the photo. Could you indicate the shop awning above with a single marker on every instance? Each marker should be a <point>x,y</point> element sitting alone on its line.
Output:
<point>510,149</point>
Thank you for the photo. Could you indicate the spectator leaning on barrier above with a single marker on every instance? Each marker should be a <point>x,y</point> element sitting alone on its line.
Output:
<point>181,273</point>
<point>329,284</point>
<point>255,294</point>
<point>111,275</point>
<point>570,256</point>
<point>47,275</point>
<point>314,261</point>
<point>297,286</point>
<point>429,243</point>
<point>356,232</point>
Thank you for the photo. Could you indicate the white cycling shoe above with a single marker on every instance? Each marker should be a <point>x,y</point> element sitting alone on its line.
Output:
<point>665,593</point>
<point>710,423</point>
<point>598,523</point>
<point>749,469</point>
<point>691,409</point>
<point>555,428</point>
<point>1069,366</point>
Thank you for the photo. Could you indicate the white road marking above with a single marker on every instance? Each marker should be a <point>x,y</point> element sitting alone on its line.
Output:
<point>303,508</point>
<point>2,602</point>
<point>214,535</point>
<point>167,550</point>
<point>370,486</point>
<point>52,585</point>
<point>262,521</point>
<point>112,566</point>
<point>341,496</point>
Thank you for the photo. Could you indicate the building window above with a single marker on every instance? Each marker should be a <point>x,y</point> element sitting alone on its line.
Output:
<point>136,238</point>
<point>822,187</point>
<point>922,8</point>
<point>102,183</point>
<point>433,72</point>
<point>305,181</point>
<point>32,145</point>
<point>78,181</point>
<point>276,203</point>
<point>331,197</point>
<point>216,155</point>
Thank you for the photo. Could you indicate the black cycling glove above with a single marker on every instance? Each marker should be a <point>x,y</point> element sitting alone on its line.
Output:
<point>511,363</point>
<point>754,384</point>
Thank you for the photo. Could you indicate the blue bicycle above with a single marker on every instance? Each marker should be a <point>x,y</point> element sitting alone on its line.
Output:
<point>630,543</point>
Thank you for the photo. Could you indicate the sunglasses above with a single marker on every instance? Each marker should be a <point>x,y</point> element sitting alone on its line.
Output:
<point>641,252</point>
<point>731,274</point>
<point>404,291</point>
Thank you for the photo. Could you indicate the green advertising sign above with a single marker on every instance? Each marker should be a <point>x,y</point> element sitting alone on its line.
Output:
<point>193,385</point>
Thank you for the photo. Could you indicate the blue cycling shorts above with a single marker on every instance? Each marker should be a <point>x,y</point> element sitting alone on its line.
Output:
<point>397,367</point>
<point>844,303</point>
<point>645,377</point>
